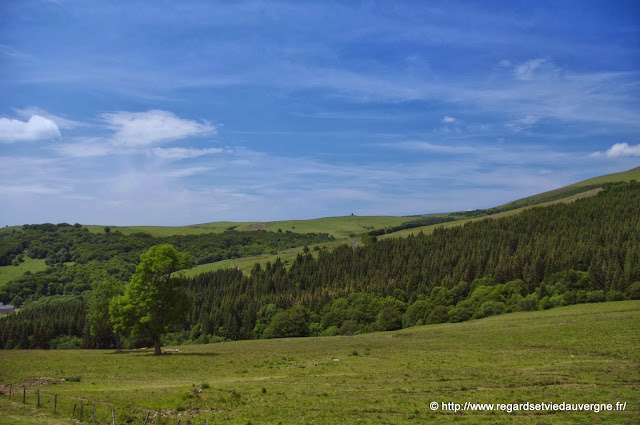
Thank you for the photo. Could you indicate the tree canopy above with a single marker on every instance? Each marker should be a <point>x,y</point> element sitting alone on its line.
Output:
<point>153,298</point>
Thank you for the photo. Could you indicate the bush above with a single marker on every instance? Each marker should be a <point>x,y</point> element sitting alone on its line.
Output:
<point>288,323</point>
<point>349,327</point>
<point>331,331</point>
<point>490,308</point>
<point>633,291</point>
<point>439,314</point>
<point>595,296</point>
<point>415,313</point>
<point>461,312</point>
<point>614,295</point>
<point>545,303</point>
<point>389,318</point>
<point>66,342</point>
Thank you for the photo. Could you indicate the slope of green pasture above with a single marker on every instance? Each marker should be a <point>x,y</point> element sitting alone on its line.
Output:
<point>339,227</point>
<point>586,353</point>
<point>8,273</point>
<point>446,225</point>
<point>633,174</point>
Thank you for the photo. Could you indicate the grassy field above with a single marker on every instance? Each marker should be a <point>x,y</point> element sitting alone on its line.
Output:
<point>578,354</point>
<point>245,264</point>
<point>633,174</point>
<point>429,229</point>
<point>8,273</point>
<point>339,227</point>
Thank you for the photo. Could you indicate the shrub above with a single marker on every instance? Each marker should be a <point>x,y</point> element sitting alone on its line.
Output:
<point>439,314</point>
<point>634,291</point>
<point>614,295</point>
<point>595,296</point>
<point>66,342</point>
<point>461,312</point>
<point>415,313</point>
<point>389,318</point>
<point>490,308</point>
<point>288,323</point>
<point>349,327</point>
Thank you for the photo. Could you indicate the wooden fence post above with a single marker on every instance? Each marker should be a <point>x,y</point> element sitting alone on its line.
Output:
<point>74,410</point>
<point>93,414</point>
<point>38,393</point>
<point>113,416</point>
<point>146,419</point>
<point>24,394</point>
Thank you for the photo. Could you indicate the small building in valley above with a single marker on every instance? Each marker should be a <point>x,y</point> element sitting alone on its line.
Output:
<point>6,309</point>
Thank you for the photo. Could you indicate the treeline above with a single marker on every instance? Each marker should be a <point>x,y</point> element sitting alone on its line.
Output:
<point>78,257</point>
<point>419,222</point>
<point>586,251</point>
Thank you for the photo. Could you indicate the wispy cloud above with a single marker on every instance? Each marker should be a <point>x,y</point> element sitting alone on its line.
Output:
<point>418,145</point>
<point>187,172</point>
<point>155,126</point>
<point>87,147</point>
<point>521,124</point>
<point>526,70</point>
<point>183,153</point>
<point>63,123</point>
<point>448,119</point>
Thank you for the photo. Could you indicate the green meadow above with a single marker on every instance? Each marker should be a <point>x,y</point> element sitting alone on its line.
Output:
<point>429,229</point>
<point>8,273</point>
<point>339,227</point>
<point>586,353</point>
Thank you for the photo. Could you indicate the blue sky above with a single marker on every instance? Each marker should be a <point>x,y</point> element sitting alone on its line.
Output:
<point>175,113</point>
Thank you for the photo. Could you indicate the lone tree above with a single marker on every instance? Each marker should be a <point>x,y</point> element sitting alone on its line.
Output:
<point>153,299</point>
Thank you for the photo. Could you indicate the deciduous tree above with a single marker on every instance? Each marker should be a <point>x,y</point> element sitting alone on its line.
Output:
<point>153,298</point>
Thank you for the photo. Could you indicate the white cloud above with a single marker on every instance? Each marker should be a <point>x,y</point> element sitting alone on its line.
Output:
<point>430,147</point>
<point>448,119</point>
<point>37,128</point>
<point>522,123</point>
<point>618,150</point>
<point>32,189</point>
<point>155,126</point>
<point>182,153</point>
<point>86,148</point>
<point>186,172</point>
<point>60,122</point>
<point>526,70</point>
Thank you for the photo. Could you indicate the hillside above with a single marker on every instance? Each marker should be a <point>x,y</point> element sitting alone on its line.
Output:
<point>342,227</point>
<point>572,189</point>
<point>579,354</point>
<point>545,257</point>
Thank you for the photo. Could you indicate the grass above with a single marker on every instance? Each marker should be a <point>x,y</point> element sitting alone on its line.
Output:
<point>154,230</point>
<point>449,224</point>
<point>633,174</point>
<point>339,227</point>
<point>245,264</point>
<point>578,354</point>
<point>8,273</point>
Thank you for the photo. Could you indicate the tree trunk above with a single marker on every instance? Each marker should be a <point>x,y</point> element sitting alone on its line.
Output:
<point>157,346</point>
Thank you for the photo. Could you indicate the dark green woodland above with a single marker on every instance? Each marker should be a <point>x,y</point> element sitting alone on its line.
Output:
<point>580,252</point>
